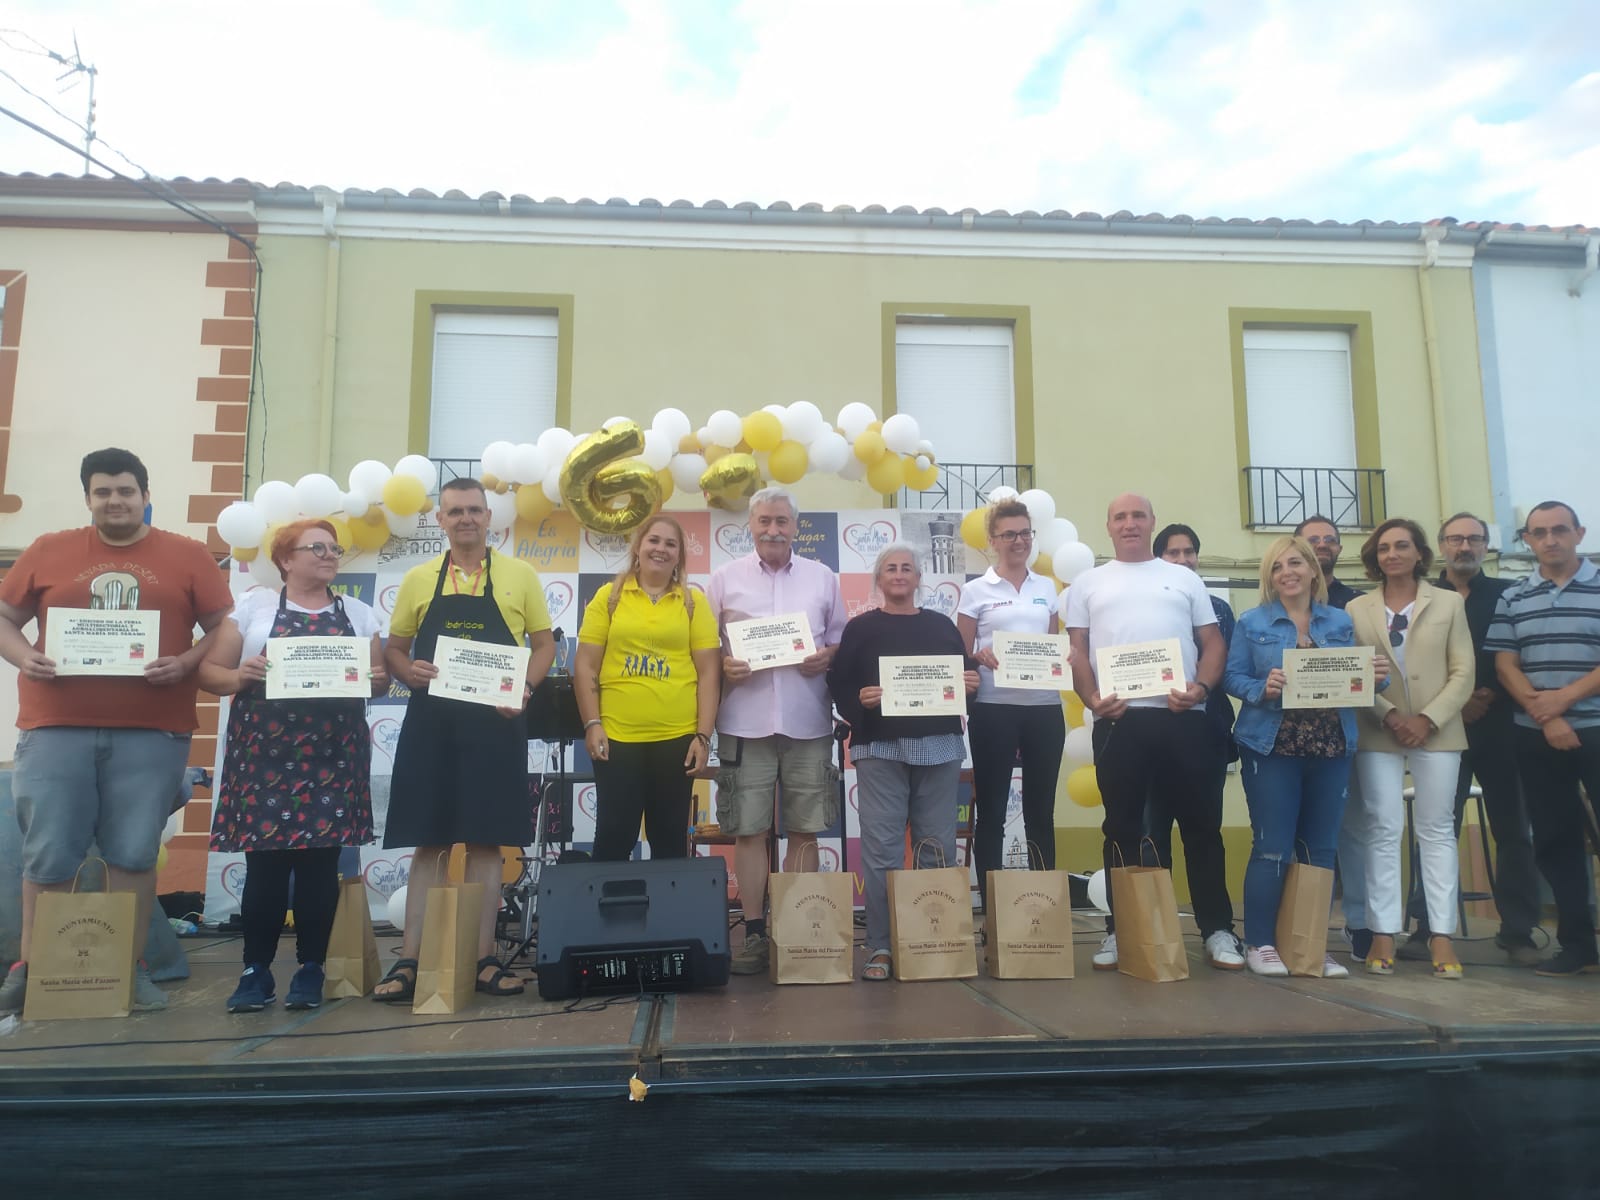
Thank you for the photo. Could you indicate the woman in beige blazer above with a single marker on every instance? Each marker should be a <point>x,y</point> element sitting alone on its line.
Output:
<point>1415,725</point>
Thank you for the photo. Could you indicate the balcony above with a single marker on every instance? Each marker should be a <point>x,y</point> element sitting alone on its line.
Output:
<point>1282,497</point>
<point>456,468</point>
<point>963,486</point>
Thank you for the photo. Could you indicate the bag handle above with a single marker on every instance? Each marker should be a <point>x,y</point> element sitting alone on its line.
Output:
<point>1035,852</point>
<point>1300,844</point>
<point>1122,863</point>
<point>916,851</point>
<point>105,867</point>
<point>816,850</point>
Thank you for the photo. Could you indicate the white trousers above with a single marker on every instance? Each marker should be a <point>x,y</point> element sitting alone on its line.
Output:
<point>1374,826</point>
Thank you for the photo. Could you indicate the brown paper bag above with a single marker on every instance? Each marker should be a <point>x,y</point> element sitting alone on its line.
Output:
<point>1302,929</point>
<point>80,963</point>
<point>930,924</point>
<point>352,964</point>
<point>1149,939</point>
<point>447,965</point>
<point>812,927</point>
<point>1027,925</point>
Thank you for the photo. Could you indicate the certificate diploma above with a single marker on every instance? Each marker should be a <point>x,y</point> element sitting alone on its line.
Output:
<point>102,641</point>
<point>319,668</point>
<point>1337,677</point>
<point>1140,669</point>
<point>923,686</point>
<point>771,641</point>
<point>480,672</point>
<point>1031,660</point>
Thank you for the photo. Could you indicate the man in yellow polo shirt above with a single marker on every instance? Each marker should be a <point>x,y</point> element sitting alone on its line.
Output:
<point>460,770</point>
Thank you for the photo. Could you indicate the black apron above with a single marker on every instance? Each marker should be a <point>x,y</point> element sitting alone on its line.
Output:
<point>295,773</point>
<point>460,770</point>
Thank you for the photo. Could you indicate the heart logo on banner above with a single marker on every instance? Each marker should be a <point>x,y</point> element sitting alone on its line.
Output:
<point>612,548</point>
<point>854,807</point>
<point>384,875</point>
<point>586,803</point>
<point>827,858</point>
<point>735,540</point>
<point>942,599</point>
<point>868,540</point>
<point>385,736</point>
<point>557,598</point>
<point>386,599</point>
<point>233,879</point>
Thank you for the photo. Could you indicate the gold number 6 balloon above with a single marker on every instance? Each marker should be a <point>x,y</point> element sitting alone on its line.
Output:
<point>595,478</point>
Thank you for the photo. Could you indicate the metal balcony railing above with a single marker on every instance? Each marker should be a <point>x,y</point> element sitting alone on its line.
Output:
<point>457,468</point>
<point>963,486</point>
<point>1282,497</point>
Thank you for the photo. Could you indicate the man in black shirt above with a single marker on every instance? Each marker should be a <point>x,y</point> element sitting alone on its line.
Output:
<point>1322,535</point>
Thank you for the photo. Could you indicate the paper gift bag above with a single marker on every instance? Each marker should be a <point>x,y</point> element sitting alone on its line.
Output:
<point>812,928</point>
<point>1027,925</point>
<point>1302,929</point>
<point>1149,940</point>
<point>80,963</point>
<point>352,963</point>
<point>447,965</point>
<point>930,924</point>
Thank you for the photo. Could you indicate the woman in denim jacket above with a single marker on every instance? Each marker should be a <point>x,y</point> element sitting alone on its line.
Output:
<point>1295,763</point>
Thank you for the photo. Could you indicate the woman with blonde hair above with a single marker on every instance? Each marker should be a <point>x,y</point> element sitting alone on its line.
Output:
<point>648,677</point>
<point>1295,763</point>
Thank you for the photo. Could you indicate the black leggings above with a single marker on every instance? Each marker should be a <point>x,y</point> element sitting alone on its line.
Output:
<point>997,733</point>
<point>266,901</point>
<point>643,779</point>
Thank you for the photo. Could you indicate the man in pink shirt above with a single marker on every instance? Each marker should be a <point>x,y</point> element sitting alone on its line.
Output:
<point>775,726</point>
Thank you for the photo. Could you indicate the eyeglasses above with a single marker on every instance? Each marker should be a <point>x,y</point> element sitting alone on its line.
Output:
<point>1397,630</point>
<point>1009,536</point>
<point>324,549</point>
<point>1538,535</point>
<point>1463,539</point>
<point>1328,540</point>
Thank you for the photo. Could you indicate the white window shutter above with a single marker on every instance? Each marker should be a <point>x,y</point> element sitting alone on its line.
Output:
<point>957,381</point>
<point>494,379</point>
<point>1297,384</point>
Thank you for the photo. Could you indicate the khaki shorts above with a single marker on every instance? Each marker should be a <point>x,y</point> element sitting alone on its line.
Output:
<point>753,767</point>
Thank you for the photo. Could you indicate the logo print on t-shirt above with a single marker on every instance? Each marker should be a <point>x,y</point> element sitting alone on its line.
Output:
<point>114,590</point>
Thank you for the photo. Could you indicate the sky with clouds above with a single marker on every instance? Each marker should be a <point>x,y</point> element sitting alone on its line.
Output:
<point>1391,110</point>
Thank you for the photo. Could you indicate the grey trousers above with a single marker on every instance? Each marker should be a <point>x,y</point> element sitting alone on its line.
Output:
<point>890,796</point>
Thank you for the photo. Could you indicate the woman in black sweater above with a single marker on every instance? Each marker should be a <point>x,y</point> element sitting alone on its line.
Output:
<point>907,768</point>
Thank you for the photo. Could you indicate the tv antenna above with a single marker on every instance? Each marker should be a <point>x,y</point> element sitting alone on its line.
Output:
<point>74,66</point>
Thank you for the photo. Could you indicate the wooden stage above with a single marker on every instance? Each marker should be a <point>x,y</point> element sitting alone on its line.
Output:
<point>947,1088</point>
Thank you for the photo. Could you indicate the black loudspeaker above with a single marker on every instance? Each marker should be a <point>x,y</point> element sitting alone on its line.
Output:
<point>655,926</point>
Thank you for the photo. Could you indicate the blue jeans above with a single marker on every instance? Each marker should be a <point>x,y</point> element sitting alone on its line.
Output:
<point>1291,800</point>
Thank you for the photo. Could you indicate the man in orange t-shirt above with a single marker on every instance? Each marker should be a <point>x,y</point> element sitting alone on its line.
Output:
<point>100,758</point>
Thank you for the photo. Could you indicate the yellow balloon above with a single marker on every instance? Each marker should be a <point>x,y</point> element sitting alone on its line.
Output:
<point>243,555</point>
<point>788,462</point>
<point>869,447</point>
<point>689,444</point>
<point>602,470</point>
<point>920,480</point>
<point>370,532</point>
<point>404,494</point>
<point>491,483</point>
<point>973,529</point>
<point>732,478</point>
<point>1043,566</point>
<point>1074,706</point>
<point>161,859</point>
<point>887,475</point>
<point>532,503</point>
<point>1083,789</point>
<point>763,430</point>
<point>715,452</point>
<point>875,426</point>
<point>664,477</point>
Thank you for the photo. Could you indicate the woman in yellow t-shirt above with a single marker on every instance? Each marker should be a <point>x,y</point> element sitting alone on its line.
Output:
<point>648,677</point>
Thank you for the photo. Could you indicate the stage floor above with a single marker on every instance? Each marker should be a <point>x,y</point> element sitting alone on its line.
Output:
<point>752,1034</point>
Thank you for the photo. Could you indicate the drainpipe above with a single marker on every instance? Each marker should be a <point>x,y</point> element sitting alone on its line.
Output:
<point>1591,260</point>
<point>1431,237</point>
<point>330,331</point>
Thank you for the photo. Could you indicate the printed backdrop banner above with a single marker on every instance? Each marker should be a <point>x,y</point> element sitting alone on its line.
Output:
<point>573,563</point>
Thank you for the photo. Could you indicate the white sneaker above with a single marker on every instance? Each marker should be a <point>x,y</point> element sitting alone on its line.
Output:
<point>1222,951</point>
<point>1334,970</point>
<point>1105,958</point>
<point>1264,960</point>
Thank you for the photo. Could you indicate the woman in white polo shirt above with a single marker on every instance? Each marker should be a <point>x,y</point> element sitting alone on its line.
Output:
<point>1005,722</point>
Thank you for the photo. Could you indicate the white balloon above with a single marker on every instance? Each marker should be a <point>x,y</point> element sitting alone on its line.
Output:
<point>703,436</point>
<point>854,469</point>
<point>925,447</point>
<point>803,422</point>
<point>923,462</point>
<point>173,827</point>
<point>354,505</point>
<point>725,428</point>
<point>496,459</point>
<point>397,908</point>
<point>901,433</point>
<point>419,466</point>
<point>610,421</point>
<point>1033,555</point>
<point>401,526</point>
<point>829,451</point>
<point>241,524</point>
<point>657,452</point>
<point>1051,535</point>
<point>1041,506</point>
<point>275,501</point>
<point>854,417</point>
<point>527,464</point>
<point>1079,746</point>
<point>317,495</point>
<point>502,509</point>
<point>367,478</point>
<point>1097,891</point>
<point>686,471</point>
<point>673,424</point>
<point>556,444</point>
<point>552,484</point>
<point>778,410</point>
<point>1002,493</point>
<point>1061,602</point>
<point>265,573</point>
<point>1071,560</point>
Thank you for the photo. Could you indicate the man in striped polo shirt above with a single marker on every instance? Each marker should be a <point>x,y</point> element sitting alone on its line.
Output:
<point>1546,641</point>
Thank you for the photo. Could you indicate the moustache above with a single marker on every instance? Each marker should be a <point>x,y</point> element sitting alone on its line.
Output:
<point>773,537</point>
